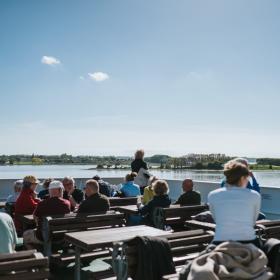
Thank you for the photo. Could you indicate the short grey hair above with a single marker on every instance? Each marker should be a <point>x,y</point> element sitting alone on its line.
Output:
<point>69,178</point>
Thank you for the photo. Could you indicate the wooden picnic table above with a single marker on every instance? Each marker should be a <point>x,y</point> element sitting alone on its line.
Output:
<point>128,209</point>
<point>2,204</point>
<point>93,239</point>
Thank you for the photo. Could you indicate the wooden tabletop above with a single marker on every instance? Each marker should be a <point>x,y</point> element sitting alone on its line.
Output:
<point>128,209</point>
<point>2,204</point>
<point>89,240</point>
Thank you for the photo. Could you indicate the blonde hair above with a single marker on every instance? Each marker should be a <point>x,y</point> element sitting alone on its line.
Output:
<point>139,154</point>
<point>160,187</point>
<point>130,177</point>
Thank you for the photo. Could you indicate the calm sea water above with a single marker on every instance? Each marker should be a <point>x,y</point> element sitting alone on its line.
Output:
<point>265,178</point>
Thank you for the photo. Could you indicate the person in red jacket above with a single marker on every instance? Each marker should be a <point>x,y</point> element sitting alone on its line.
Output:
<point>27,201</point>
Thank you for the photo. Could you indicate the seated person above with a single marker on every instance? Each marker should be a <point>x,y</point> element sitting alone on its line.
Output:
<point>105,188</point>
<point>55,205</point>
<point>252,186</point>
<point>161,199</point>
<point>189,197</point>
<point>71,193</point>
<point>149,191</point>
<point>43,194</point>
<point>8,234</point>
<point>235,208</point>
<point>27,200</point>
<point>17,189</point>
<point>95,202</point>
<point>129,189</point>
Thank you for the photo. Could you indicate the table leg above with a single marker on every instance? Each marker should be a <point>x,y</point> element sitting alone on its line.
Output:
<point>77,263</point>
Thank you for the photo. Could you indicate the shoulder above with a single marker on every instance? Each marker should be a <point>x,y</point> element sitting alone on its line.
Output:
<point>252,193</point>
<point>103,197</point>
<point>216,193</point>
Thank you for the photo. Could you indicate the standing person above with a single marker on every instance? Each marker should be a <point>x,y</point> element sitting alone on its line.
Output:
<point>8,234</point>
<point>71,193</point>
<point>138,161</point>
<point>43,194</point>
<point>12,198</point>
<point>129,188</point>
<point>235,208</point>
<point>95,202</point>
<point>27,200</point>
<point>189,197</point>
<point>149,190</point>
<point>54,205</point>
<point>254,185</point>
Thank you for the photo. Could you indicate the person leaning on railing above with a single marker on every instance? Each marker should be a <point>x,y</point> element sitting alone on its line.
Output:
<point>254,185</point>
<point>138,161</point>
<point>129,188</point>
<point>235,208</point>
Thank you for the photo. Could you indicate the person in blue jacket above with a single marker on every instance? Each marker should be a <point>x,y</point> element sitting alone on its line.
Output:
<point>251,185</point>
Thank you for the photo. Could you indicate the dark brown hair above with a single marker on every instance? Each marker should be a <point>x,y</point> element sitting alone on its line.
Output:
<point>130,177</point>
<point>234,170</point>
<point>160,187</point>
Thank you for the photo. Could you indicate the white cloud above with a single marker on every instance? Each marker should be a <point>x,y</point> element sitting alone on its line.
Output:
<point>98,76</point>
<point>50,60</point>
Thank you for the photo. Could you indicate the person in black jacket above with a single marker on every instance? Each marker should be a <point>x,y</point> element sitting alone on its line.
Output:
<point>95,202</point>
<point>105,188</point>
<point>189,197</point>
<point>161,199</point>
<point>139,162</point>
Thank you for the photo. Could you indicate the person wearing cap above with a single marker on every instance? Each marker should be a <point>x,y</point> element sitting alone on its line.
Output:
<point>44,194</point>
<point>55,205</point>
<point>27,200</point>
<point>12,198</point>
<point>95,202</point>
<point>71,193</point>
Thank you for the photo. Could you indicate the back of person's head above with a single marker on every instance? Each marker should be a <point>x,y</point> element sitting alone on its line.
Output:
<point>18,185</point>
<point>96,178</point>
<point>130,177</point>
<point>68,179</point>
<point>56,188</point>
<point>47,182</point>
<point>92,187</point>
<point>242,160</point>
<point>139,154</point>
<point>160,187</point>
<point>236,173</point>
<point>187,185</point>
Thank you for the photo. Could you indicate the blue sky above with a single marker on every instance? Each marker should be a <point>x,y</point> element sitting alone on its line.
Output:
<point>169,76</point>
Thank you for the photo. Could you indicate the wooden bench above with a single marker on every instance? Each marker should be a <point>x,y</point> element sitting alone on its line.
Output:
<point>23,265</point>
<point>175,215</point>
<point>192,224</point>
<point>268,228</point>
<point>122,201</point>
<point>185,245</point>
<point>54,228</point>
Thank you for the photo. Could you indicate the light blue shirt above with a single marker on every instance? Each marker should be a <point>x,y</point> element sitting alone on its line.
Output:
<point>129,189</point>
<point>8,234</point>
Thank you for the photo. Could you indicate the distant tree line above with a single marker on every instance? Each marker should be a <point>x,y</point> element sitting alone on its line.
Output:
<point>269,161</point>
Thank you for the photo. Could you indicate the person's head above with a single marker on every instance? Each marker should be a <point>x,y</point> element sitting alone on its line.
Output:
<point>160,187</point>
<point>187,185</point>
<point>242,160</point>
<point>30,182</point>
<point>68,183</point>
<point>236,173</point>
<point>139,154</point>
<point>130,177</point>
<point>96,178</point>
<point>18,186</point>
<point>152,179</point>
<point>56,189</point>
<point>92,187</point>
<point>47,182</point>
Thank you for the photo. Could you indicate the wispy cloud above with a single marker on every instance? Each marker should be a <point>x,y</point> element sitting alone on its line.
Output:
<point>50,60</point>
<point>98,76</point>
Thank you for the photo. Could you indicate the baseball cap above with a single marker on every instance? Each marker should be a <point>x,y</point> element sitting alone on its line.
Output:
<point>55,185</point>
<point>31,179</point>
